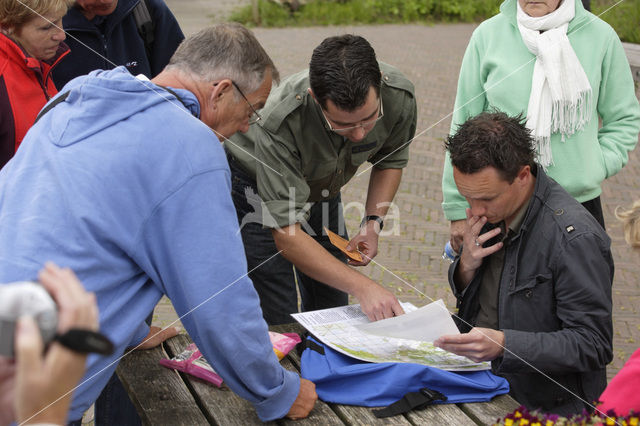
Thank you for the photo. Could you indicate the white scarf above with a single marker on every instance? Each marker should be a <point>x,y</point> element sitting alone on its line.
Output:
<point>561,95</point>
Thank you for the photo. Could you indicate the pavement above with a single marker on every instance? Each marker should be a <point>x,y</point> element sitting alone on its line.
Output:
<point>409,262</point>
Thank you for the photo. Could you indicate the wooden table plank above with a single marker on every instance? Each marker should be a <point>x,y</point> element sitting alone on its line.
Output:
<point>220,405</point>
<point>321,414</point>
<point>487,412</point>
<point>440,414</point>
<point>353,415</point>
<point>159,394</point>
<point>164,397</point>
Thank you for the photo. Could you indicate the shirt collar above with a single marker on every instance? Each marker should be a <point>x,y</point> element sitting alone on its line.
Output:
<point>516,223</point>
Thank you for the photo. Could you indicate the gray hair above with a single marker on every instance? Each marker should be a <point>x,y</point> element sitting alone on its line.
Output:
<point>227,50</point>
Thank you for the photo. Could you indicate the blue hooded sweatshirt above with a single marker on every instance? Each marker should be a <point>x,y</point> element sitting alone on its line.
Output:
<point>124,185</point>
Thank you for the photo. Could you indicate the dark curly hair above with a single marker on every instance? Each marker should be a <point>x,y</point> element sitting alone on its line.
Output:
<point>492,139</point>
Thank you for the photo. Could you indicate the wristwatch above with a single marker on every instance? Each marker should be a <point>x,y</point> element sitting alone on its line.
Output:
<point>372,217</point>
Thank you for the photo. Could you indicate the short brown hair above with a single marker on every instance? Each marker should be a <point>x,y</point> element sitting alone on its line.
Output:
<point>492,139</point>
<point>631,223</point>
<point>14,14</point>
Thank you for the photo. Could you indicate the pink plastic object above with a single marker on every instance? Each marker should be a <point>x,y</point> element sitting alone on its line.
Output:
<point>283,343</point>
<point>192,362</point>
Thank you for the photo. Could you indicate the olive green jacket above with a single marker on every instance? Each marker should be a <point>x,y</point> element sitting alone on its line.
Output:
<point>301,160</point>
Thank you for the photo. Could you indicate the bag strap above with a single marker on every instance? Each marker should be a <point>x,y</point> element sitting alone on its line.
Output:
<point>177,97</point>
<point>49,106</point>
<point>64,96</point>
<point>412,400</point>
<point>310,344</point>
<point>145,25</point>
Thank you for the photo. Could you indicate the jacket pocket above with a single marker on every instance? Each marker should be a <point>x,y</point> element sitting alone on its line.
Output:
<point>363,151</point>
<point>532,304</point>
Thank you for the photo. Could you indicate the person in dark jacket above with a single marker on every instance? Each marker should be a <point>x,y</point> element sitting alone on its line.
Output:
<point>30,46</point>
<point>533,281</point>
<point>104,34</point>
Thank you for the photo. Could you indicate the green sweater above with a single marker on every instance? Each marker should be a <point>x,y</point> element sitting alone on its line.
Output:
<point>496,74</point>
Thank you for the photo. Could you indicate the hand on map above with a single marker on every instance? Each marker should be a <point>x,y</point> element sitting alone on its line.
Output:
<point>366,242</point>
<point>305,401</point>
<point>378,303</point>
<point>480,344</point>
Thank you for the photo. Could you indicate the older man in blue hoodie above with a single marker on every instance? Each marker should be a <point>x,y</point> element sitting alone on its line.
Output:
<point>124,181</point>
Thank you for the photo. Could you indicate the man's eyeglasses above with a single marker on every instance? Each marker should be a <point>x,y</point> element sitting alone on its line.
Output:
<point>366,125</point>
<point>254,117</point>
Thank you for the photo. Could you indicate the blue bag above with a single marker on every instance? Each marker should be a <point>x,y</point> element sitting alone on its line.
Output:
<point>345,380</point>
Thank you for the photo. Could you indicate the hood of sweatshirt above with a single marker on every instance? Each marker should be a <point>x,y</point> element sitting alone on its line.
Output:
<point>102,95</point>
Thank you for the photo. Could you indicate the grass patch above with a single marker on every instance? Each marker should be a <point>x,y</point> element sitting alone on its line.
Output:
<point>624,18</point>
<point>329,12</point>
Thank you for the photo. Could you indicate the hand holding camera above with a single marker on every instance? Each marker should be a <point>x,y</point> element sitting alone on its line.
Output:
<point>40,390</point>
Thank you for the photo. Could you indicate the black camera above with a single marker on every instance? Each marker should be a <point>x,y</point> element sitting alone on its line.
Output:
<point>25,298</point>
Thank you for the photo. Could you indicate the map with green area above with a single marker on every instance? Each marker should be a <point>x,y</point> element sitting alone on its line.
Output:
<point>336,328</point>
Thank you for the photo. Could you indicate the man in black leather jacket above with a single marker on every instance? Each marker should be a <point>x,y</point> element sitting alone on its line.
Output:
<point>533,281</point>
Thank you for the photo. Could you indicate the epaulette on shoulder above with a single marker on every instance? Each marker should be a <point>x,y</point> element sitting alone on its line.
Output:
<point>276,114</point>
<point>571,225</point>
<point>392,77</point>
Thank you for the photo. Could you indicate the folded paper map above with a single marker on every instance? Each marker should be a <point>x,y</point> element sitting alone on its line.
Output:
<point>342,329</point>
<point>425,324</point>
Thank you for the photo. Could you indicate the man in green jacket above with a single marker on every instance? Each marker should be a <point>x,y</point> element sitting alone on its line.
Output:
<point>317,127</point>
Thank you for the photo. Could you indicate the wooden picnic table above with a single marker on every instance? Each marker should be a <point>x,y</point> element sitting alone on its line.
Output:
<point>165,397</point>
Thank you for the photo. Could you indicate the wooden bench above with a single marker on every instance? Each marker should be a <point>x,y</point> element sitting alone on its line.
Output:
<point>166,397</point>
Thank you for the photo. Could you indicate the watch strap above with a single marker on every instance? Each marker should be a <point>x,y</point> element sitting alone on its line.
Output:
<point>372,217</point>
<point>86,341</point>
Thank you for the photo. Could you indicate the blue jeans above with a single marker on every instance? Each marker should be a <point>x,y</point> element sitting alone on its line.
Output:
<point>113,406</point>
<point>275,281</point>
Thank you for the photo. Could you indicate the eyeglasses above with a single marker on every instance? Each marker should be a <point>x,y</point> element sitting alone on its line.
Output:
<point>254,117</point>
<point>366,125</point>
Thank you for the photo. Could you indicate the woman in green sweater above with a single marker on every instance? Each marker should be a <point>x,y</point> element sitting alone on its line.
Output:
<point>563,69</point>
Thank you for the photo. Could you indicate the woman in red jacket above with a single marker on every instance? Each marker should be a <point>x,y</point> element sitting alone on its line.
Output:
<point>31,43</point>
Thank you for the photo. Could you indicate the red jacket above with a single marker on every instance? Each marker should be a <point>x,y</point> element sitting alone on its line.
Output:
<point>25,86</point>
<point>621,395</point>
